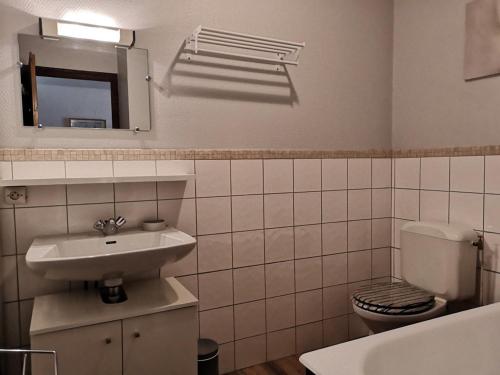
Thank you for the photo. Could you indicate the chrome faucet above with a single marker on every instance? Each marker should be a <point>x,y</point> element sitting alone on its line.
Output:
<point>110,226</point>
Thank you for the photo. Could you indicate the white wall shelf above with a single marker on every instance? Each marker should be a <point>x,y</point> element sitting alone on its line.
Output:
<point>40,173</point>
<point>94,180</point>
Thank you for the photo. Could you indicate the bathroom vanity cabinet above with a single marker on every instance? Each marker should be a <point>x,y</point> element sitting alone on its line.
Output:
<point>154,332</point>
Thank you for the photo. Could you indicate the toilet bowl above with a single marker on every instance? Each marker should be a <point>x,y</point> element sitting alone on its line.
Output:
<point>438,264</point>
<point>384,318</point>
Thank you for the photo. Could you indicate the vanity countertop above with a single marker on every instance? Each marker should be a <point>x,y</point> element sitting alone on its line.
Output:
<point>56,312</point>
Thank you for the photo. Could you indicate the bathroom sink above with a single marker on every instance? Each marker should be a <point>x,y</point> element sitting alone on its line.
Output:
<point>92,256</point>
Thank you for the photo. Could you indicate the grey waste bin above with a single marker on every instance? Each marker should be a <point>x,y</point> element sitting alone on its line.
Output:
<point>208,357</point>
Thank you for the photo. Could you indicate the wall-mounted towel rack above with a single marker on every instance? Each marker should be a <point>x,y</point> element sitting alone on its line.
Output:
<point>272,51</point>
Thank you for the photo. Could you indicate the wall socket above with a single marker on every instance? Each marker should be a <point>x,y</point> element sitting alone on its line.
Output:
<point>15,195</point>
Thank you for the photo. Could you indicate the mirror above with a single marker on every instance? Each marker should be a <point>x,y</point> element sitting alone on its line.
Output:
<point>74,83</point>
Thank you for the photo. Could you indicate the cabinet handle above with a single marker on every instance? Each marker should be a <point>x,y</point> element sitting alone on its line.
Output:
<point>137,334</point>
<point>107,340</point>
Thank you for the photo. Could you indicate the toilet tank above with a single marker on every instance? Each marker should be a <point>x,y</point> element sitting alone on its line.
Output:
<point>439,258</point>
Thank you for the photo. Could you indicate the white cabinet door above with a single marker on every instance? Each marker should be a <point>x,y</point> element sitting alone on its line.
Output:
<point>91,350</point>
<point>161,344</point>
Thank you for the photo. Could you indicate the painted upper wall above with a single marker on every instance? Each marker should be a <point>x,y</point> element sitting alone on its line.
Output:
<point>343,82</point>
<point>432,104</point>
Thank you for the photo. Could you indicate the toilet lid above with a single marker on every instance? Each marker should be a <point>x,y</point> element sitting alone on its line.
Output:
<point>393,299</point>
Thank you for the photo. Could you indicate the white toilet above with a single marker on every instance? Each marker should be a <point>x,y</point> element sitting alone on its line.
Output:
<point>438,264</point>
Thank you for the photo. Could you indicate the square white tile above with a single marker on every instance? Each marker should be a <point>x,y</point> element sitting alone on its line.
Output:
<point>218,324</point>
<point>7,232</point>
<point>247,212</point>
<point>435,173</point>
<point>248,248</point>
<point>381,233</point>
<point>334,174</point>
<point>215,289</point>
<point>308,274</point>
<point>381,173</point>
<point>335,299</point>
<point>467,174</point>
<point>247,177</point>
<point>92,193</point>
<point>381,203</point>
<point>336,330</point>
<point>307,208</point>
<point>492,174</point>
<point>359,173</point>
<point>38,196</point>
<point>307,175</point>
<point>407,173</point>
<point>22,170</point>
<point>434,205</point>
<point>250,351</point>
<point>278,210</point>
<point>359,235</point>
<point>278,176</point>
<point>359,204</point>
<point>137,191</point>
<point>334,206</point>
<point>213,178</point>
<point>174,167</point>
<point>309,306</point>
<point>359,266</point>
<point>334,269</point>
<point>214,215</point>
<point>280,279</point>
<point>279,244</point>
<point>309,337</point>
<point>89,169</point>
<point>179,213</point>
<point>5,170</point>
<point>307,241</point>
<point>134,168</point>
<point>280,312</point>
<point>280,344</point>
<point>249,319</point>
<point>406,204</point>
<point>381,263</point>
<point>334,238</point>
<point>249,284</point>
<point>491,213</point>
<point>8,278</point>
<point>176,189</point>
<point>467,208</point>
<point>214,252</point>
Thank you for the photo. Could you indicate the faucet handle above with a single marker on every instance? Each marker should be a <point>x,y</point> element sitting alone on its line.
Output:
<point>99,225</point>
<point>120,221</point>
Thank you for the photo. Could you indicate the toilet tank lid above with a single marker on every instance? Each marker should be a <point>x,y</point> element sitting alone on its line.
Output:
<point>451,232</point>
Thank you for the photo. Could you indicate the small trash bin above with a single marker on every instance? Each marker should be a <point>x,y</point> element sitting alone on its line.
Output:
<point>208,357</point>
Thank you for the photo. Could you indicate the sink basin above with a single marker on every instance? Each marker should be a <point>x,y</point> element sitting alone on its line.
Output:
<point>92,256</point>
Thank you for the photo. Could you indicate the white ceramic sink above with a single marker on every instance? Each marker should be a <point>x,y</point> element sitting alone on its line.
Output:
<point>92,256</point>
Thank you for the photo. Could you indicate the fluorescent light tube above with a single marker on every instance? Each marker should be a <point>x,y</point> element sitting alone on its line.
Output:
<point>74,30</point>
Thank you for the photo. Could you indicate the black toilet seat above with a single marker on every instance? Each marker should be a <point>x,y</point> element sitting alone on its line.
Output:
<point>389,298</point>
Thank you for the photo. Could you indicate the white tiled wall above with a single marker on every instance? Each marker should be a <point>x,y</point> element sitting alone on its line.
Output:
<point>456,190</point>
<point>281,243</point>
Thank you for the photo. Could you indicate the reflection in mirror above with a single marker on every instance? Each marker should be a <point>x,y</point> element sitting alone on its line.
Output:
<point>83,84</point>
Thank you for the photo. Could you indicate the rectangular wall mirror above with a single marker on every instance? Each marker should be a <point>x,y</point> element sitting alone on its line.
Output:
<point>74,83</point>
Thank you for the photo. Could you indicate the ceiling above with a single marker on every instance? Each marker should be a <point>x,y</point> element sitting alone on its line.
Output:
<point>132,14</point>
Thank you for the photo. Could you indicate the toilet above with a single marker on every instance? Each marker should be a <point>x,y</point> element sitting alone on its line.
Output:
<point>438,265</point>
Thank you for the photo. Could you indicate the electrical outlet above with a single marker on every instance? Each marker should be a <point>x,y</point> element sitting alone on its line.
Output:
<point>15,195</point>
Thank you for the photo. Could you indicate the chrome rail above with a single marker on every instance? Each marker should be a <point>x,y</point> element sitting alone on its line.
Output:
<point>26,352</point>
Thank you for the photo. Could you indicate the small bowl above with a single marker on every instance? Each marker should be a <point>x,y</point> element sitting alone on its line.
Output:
<point>154,225</point>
